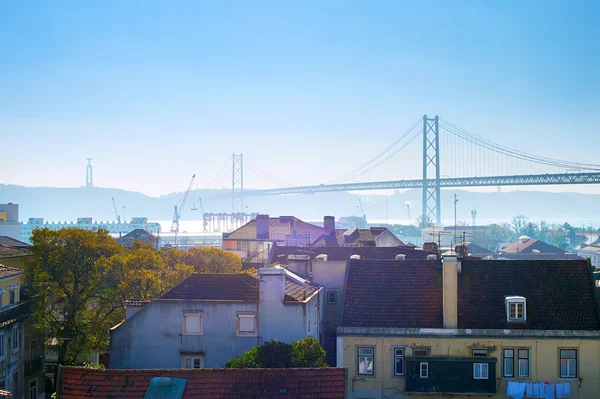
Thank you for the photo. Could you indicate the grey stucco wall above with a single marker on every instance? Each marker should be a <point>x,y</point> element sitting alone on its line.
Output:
<point>152,338</point>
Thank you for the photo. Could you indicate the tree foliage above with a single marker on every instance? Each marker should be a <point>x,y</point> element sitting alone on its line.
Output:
<point>275,354</point>
<point>205,260</point>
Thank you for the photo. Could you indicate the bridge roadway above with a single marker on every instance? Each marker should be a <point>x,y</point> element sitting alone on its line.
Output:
<point>517,180</point>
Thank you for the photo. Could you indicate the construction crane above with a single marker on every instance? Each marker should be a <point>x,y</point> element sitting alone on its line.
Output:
<point>179,209</point>
<point>362,210</point>
<point>204,221</point>
<point>116,213</point>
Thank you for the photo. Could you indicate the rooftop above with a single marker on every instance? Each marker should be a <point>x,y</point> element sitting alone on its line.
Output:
<point>11,242</point>
<point>353,237</point>
<point>236,287</point>
<point>530,245</point>
<point>6,271</point>
<point>279,227</point>
<point>280,253</point>
<point>13,252</point>
<point>293,383</point>
<point>409,294</point>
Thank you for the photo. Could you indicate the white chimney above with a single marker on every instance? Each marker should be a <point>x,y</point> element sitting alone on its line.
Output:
<point>450,270</point>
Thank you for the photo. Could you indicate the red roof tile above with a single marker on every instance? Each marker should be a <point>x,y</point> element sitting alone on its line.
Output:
<point>210,287</point>
<point>322,383</point>
<point>280,253</point>
<point>279,227</point>
<point>360,238</point>
<point>386,293</point>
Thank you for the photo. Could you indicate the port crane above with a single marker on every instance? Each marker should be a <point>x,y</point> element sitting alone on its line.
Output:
<point>179,209</point>
<point>116,212</point>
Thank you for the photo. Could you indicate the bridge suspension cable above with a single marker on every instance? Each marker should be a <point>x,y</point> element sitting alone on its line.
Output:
<point>264,175</point>
<point>380,158</point>
<point>481,142</point>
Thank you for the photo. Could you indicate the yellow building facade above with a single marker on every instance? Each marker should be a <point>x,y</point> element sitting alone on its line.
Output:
<point>543,360</point>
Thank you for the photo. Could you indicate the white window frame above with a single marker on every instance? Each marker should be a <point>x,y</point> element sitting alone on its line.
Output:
<point>335,301</point>
<point>519,358</point>
<point>516,301</point>
<point>512,362</point>
<point>192,359</point>
<point>560,358</point>
<point>33,388</point>
<point>246,315</point>
<point>426,374</point>
<point>481,367</point>
<point>398,352</point>
<point>15,336</point>
<point>192,314</point>
<point>515,360</point>
<point>364,358</point>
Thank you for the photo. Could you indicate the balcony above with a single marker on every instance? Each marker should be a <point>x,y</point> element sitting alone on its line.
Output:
<point>448,375</point>
<point>34,365</point>
<point>17,311</point>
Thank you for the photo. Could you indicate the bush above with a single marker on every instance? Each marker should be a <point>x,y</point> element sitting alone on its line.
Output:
<point>275,354</point>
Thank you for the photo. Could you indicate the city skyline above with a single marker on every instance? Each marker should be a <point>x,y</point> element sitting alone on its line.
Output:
<point>308,92</point>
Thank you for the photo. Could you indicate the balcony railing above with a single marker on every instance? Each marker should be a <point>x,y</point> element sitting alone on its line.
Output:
<point>34,365</point>
<point>17,311</point>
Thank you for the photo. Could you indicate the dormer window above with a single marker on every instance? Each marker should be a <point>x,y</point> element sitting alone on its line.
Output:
<point>516,309</point>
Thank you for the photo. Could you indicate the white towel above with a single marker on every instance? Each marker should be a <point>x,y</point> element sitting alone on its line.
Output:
<point>536,389</point>
<point>550,391</point>
<point>566,389</point>
<point>515,390</point>
<point>529,390</point>
<point>559,390</point>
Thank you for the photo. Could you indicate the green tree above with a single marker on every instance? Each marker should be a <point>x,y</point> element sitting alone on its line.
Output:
<point>210,260</point>
<point>308,353</point>
<point>77,305</point>
<point>275,354</point>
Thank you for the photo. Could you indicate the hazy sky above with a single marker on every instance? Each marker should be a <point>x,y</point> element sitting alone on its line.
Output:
<point>154,91</point>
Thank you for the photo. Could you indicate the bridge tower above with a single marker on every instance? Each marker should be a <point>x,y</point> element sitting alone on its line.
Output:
<point>431,167</point>
<point>237,183</point>
<point>89,178</point>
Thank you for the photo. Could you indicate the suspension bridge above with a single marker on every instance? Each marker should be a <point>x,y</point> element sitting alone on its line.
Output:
<point>466,159</point>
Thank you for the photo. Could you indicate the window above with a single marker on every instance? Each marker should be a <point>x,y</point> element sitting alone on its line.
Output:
<point>15,339</point>
<point>480,371</point>
<point>194,362</point>
<point>568,363</point>
<point>479,352</point>
<point>420,351</point>
<point>366,358</point>
<point>2,345</point>
<point>192,323</point>
<point>332,297</point>
<point>398,361</point>
<point>516,309</point>
<point>522,364</point>
<point>33,389</point>
<point>12,297</point>
<point>424,369</point>
<point>33,350</point>
<point>15,389</point>
<point>246,323</point>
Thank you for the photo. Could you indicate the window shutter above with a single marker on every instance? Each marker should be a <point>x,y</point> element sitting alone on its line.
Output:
<point>192,324</point>
<point>246,323</point>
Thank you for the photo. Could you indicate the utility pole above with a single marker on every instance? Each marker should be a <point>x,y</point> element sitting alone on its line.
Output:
<point>473,216</point>
<point>455,202</point>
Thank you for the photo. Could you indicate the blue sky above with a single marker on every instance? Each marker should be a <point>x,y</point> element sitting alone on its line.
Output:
<point>156,90</point>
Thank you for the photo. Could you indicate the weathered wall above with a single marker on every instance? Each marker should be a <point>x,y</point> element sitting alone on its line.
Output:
<point>330,275</point>
<point>153,337</point>
<point>544,363</point>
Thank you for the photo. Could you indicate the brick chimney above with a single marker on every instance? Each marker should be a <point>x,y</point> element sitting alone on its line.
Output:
<point>329,224</point>
<point>430,247</point>
<point>450,270</point>
<point>262,227</point>
<point>461,251</point>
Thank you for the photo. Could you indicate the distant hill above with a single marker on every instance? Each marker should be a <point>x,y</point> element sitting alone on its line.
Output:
<point>54,204</point>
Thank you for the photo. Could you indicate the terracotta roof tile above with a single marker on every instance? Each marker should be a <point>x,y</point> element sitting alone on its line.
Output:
<point>280,253</point>
<point>279,227</point>
<point>559,294</point>
<point>13,252</point>
<point>224,287</point>
<point>361,238</point>
<point>6,271</point>
<point>530,246</point>
<point>401,294</point>
<point>322,383</point>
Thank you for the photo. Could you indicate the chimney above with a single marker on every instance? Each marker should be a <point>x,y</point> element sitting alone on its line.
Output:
<point>262,227</point>
<point>450,270</point>
<point>329,224</point>
<point>400,257</point>
<point>430,247</point>
<point>461,251</point>
<point>272,283</point>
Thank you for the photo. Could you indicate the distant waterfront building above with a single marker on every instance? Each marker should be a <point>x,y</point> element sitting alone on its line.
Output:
<point>592,253</point>
<point>86,223</point>
<point>9,221</point>
<point>143,236</point>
